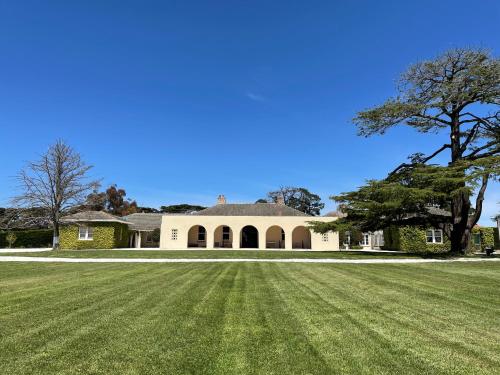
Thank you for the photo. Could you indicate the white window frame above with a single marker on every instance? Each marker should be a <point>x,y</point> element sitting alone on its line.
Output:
<point>324,237</point>
<point>431,234</point>
<point>85,233</point>
<point>174,234</point>
<point>366,240</point>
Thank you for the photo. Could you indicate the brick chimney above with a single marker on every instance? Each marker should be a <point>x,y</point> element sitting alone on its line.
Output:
<point>280,200</point>
<point>221,199</point>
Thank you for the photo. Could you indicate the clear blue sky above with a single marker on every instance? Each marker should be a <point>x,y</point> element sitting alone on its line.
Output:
<point>178,102</point>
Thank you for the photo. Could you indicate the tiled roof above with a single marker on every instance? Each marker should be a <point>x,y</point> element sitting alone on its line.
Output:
<point>144,221</point>
<point>254,209</point>
<point>89,216</point>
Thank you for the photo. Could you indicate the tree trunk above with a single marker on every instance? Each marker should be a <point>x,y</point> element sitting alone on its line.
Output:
<point>55,240</point>
<point>460,203</point>
<point>460,233</point>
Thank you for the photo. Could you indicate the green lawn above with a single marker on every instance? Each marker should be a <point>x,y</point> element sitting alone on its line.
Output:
<point>257,254</point>
<point>259,318</point>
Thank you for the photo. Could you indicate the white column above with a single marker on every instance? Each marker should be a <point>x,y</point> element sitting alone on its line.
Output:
<point>288,239</point>
<point>209,237</point>
<point>236,237</point>
<point>138,240</point>
<point>262,238</point>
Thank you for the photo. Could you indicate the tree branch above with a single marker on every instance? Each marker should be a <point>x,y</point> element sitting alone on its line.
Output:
<point>474,218</point>
<point>425,160</point>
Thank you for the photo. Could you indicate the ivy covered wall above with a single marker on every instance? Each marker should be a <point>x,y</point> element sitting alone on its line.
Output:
<point>412,239</point>
<point>488,237</point>
<point>105,236</point>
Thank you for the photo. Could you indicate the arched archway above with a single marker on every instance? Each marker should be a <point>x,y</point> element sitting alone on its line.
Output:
<point>223,236</point>
<point>249,238</point>
<point>275,237</point>
<point>301,238</point>
<point>197,236</point>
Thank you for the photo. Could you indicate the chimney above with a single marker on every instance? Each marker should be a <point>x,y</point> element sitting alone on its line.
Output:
<point>280,200</point>
<point>221,199</point>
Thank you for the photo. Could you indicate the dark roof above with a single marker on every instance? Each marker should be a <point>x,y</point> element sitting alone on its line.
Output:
<point>89,216</point>
<point>253,209</point>
<point>144,221</point>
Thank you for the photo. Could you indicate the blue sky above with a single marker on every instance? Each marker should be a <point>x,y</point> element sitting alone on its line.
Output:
<point>178,102</point>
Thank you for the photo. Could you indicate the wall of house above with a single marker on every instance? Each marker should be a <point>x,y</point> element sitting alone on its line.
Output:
<point>412,239</point>
<point>183,223</point>
<point>488,238</point>
<point>105,236</point>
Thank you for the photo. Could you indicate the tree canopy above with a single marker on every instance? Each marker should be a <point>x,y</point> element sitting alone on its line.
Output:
<point>297,197</point>
<point>457,95</point>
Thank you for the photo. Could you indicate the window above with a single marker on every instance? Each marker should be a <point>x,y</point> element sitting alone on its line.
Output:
<point>282,235</point>
<point>149,237</point>
<point>201,233</point>
<point>365,241</point>
<point>324,237</point>
<point>476,238</point>
<point>174,234</point>
<point>85,233</point>
<point>225,233</point>
<point>434,236</point>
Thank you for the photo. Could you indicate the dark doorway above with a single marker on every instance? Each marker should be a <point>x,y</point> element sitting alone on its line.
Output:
<point>249,237</point>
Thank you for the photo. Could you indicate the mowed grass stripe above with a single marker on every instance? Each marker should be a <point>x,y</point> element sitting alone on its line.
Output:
<point>20,300</point>
<point>259,335</point>
<point>55,333</point>
<point>144,322</point>
<point>404,318</point>
<point>340,317</point>
<point>250,318</point>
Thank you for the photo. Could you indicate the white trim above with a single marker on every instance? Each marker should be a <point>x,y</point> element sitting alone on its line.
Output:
<point>85,233</point>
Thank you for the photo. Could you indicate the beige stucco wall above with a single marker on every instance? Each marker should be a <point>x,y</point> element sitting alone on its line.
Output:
<point>182,223</point>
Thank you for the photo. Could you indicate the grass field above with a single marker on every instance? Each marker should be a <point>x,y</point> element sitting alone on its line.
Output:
<point>254,318</point>
<point>253,254</point>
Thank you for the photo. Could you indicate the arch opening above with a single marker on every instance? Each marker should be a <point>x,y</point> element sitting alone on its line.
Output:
<point>223,237</point>
<point>301,238</point>
<point>197,236</point>
<point>249,238</point>
<point>275,237</point>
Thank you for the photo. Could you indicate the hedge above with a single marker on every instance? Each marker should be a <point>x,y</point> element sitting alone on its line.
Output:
<point>34,238</point>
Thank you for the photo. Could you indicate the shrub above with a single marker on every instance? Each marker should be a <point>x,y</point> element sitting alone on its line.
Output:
<point>28,238</point>
<point>11,238</point>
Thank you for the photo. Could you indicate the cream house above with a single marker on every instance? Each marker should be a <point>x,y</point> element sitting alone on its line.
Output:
<point>245,226</point>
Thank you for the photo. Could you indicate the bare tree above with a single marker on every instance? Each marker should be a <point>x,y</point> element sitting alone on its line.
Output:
<point>55,183</point>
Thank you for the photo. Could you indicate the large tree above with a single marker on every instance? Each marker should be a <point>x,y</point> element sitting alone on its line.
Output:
<point>112,200</point>
<point>456,95</point>
<point>181,208</point>
<point>297,197</point>
<point>56,183</point>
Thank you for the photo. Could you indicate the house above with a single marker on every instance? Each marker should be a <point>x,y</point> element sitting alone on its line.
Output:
<point>93,230</point>
<point>101,230</point>
<point>245,226</point>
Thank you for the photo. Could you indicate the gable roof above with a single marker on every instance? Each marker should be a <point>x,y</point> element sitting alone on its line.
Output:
<point>250,209</point>
<point>144,221</point>
<point>92,216</point>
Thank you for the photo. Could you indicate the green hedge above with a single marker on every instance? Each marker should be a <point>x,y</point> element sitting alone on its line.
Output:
<point>33,238</point>
<point>105,236</point>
